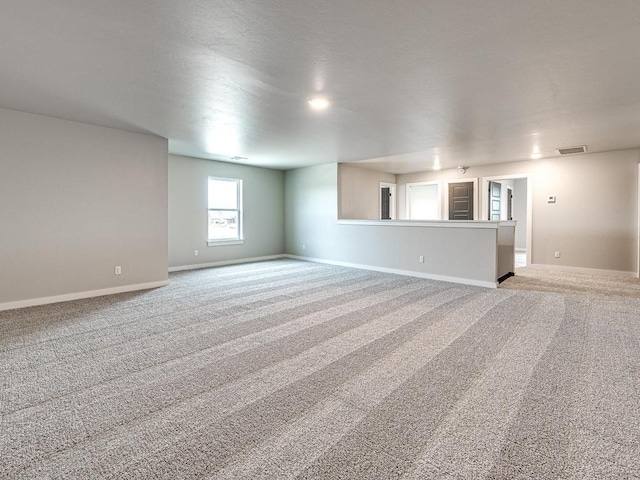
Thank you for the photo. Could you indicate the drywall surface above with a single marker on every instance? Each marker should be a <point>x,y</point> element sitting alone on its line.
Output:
<point>311,206</point>
<point>506,241</point>
<point>313,231</point>
<point>263,212</point>
<point>359,188</point>
<point>77,200</point>
<point>520,212</point>
<point>594,221</point>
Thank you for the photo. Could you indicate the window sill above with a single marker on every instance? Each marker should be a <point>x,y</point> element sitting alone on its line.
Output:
<point>219,243</point>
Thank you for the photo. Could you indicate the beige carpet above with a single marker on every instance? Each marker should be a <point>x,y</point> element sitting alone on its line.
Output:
<point>548,279</point>
<point>287,369</point>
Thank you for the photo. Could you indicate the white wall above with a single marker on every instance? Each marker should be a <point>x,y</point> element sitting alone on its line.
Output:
<point>263,212</point>
<point>520,212</point>
<point>75,201</point>
<point>313,231</point>
<point>359,192</point>
<point>594,222</point>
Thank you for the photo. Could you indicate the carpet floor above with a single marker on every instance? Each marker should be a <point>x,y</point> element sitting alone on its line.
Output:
<point>287,369</point>
<point>542,278</point>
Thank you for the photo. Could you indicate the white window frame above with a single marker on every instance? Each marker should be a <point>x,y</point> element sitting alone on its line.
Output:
<point>213,242</point>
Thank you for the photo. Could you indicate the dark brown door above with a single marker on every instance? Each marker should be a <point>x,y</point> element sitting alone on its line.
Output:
<point>461,201</point>
<point>385,205</point>
<point>495,200</point>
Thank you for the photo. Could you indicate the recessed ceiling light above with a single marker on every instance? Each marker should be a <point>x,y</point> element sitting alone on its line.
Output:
<point>535,154</point>
<point>319,103</point>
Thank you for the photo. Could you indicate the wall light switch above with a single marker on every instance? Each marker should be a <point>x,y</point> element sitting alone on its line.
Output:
<point>551,199</point>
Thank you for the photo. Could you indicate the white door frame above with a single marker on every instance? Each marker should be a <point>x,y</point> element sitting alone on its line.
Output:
<point>484,202</point>
<point>408,197</point>
<point>392,205</point>
<point>444,213</point>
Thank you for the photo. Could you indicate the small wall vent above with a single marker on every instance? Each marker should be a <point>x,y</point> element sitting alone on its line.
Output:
<point>572,150</point>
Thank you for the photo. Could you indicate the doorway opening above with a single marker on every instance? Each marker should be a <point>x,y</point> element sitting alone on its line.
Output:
<point>495,201</point>
<point>509,197</point>
<point>387,201</point>
<point>423,201</point>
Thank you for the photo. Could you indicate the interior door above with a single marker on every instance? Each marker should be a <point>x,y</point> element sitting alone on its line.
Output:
<point>495,200</point>
<point>385,205</point>
<point>509,204</point>
<point>461,201</point>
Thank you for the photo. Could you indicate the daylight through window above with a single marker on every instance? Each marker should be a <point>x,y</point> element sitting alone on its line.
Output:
<point>225,211</point>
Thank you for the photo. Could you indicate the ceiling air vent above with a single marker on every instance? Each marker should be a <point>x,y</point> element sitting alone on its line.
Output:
<point>572,150</point>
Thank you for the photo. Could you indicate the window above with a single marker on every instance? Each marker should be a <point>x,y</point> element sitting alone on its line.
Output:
<point>225,211</point>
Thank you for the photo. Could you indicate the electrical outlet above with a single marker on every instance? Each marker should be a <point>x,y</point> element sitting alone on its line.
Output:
<point>118,270</point>
<point>304,247</point>
<point>421,258</point>
<point>196,253</point>
<point>557,254</point>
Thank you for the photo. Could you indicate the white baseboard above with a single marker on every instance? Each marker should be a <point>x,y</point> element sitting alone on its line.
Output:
<point>409,273</point>
<point>80,295</point>
<point>597,271</point>
<point>224,262</point>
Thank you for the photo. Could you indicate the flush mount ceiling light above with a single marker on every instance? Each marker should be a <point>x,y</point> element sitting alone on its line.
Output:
<point>319,103</point>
